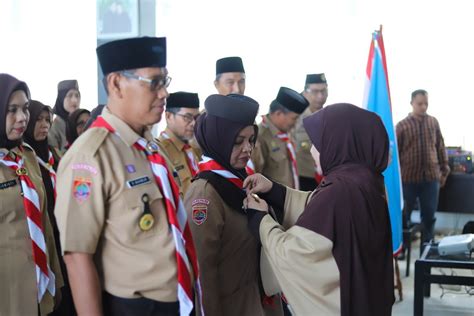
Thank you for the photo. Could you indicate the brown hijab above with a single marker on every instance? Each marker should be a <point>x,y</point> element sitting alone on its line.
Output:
<point>350,208</point>
<point>8,85</point>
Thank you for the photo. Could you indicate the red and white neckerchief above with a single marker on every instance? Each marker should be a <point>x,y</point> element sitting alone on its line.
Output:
<point>209,164</point>
<point>45,279</point>
<point>317,176</point>
<point>250,167</point>
<point>186,258</point>
<point>190,160</point>
<point>49,166</point>
<point>291,153</point>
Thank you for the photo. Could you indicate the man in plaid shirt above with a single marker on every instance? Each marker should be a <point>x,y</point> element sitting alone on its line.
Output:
<point>423,161</point>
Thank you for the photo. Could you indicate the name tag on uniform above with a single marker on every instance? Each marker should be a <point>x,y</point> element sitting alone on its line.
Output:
<point>274,149</point>
<point>139,181</point>
<point>179,167</point>
<point>8,184</point>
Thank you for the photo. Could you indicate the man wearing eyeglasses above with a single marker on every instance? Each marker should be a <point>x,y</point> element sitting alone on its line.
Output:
<point>181,110</point>
<point>118,209</point>
<point>316,92</point>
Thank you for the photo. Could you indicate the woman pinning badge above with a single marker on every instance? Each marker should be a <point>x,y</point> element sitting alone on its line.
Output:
<point>333,253</point>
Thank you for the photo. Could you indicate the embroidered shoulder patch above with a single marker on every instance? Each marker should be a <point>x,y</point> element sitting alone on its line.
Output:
<point>199,207</point>
<point>81,189</point>
<point>86,167</point>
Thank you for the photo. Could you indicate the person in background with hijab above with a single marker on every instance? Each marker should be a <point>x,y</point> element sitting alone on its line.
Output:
<point>94,114</point>
<point>36,135</point>
<point>226,249</point>
<point>75,125</point>
<point>333,253</point>
<point>67,101</point>
<point>30,275</point>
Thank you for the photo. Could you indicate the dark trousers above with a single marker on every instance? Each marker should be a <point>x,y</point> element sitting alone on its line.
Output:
<point>427,193</point>
<point>118,306</point>
<point>307,184</point>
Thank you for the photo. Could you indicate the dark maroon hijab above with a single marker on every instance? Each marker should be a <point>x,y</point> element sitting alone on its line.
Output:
<point>71,125</point>
<point>218,127</point>
<point>41,147</point>
<point>8,85</point>
<point>350,208</point>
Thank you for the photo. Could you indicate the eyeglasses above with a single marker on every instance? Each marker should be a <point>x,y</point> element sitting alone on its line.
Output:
<point>188,118</point>
<point>155,83</point>
<point>316,91</point>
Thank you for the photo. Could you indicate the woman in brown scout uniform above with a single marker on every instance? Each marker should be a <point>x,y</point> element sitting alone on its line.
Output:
<point>227,251</point>
<point>67,101</point>
<point>30,276</point>
<point>36,136</point>
<point>333,253</point>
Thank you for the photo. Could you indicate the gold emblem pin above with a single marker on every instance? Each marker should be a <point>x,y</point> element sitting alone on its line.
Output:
<point>146,222</point>
<point>152,147</point>
<point>21,171</point>
<point>305,145</point>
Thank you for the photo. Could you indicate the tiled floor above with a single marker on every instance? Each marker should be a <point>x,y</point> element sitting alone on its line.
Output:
<point>455,301</point>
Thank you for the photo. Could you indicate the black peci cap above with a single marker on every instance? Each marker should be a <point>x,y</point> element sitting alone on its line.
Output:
<point>132,53</point>
<point>183,100</point>
<point>315,78</point>
<point>229,64</point>
<point>291,100</point>
<point>233,107</point>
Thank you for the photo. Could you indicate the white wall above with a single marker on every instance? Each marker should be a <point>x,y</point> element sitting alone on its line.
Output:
<point>428,45</point>
<point>44,42</point>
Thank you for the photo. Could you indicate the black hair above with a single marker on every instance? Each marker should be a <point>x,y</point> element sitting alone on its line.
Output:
<point>417,92</point>
<point>173,110</point>
<point>275,106</point>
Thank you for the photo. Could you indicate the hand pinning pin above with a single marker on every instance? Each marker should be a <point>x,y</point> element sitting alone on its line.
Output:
<point>255,197</point>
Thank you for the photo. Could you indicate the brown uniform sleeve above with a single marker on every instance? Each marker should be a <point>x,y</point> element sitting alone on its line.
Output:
<point>295,202</point>
<point>304,267</point>
<point>258,157</point>
<point>55,135</point>
<point>81,202</point>
<point>207,233</point>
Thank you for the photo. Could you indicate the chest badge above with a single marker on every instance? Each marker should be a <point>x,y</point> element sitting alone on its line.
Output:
<point>21,171</point>
<point>152,147</point>
<point>147,220</point>
<point>305,145</point>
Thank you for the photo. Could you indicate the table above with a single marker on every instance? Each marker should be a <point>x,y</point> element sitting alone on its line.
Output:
<point>457,195</point>
<point>423,277</point>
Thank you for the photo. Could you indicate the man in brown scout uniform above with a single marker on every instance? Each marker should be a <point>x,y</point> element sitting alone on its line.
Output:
<point>230,76</point>
<point>274,154</point>
<point>316,92</point>
<point>181,110</point>
<point>123,226</point>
